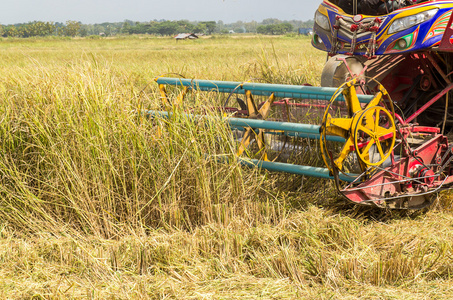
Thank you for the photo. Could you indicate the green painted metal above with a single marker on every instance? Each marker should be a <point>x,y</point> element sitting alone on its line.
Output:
<point>312,136</point>
<point>273,125</point>
<point>291,129</point>
<point>295,169</point>
<point>259,89</point>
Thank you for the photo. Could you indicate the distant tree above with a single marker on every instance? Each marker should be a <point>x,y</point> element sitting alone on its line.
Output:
<point>72,28</point>
<point>210,26</point>
<point>271,21</point>
<point>98,29</point>
<point>200,28</point>
<point>157,27</point>
<point>220,26</point>
<point>151,27</point>
<point>22,31</point>
<point>168,28</point>
<point>59,28</point>
<point>185,26</point>
<point>251,26</point>
<point>131,23</point>
<point>83,30</point>
<point>39,28</point>
<point>262,29</point>
<point>285,27</point>
<point>126,29</point>
<point>275,29</point>
<point>136,29</point>
<point>86,29</point>
<point>11,31</point>
<point>111,28</point>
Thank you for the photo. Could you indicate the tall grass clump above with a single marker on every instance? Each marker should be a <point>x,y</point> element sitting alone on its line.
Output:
<point>271,67</point>
<point>76,151</point>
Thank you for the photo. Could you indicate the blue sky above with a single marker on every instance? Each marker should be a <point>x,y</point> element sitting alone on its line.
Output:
<point>98,11</point>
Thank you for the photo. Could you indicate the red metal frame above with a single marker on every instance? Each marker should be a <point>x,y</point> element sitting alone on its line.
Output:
<point>446,44</point>
<point>393,180</point>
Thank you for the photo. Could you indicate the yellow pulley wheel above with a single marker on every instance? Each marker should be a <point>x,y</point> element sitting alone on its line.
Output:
<point>374,135</point>
<point>368,128</point>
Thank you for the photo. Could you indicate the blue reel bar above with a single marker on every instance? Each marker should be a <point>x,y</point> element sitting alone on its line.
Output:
<point>290,129</point>
<point>295,169</point>
<point>258,89</point>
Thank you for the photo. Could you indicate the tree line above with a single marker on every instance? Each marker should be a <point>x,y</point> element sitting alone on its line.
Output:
<point>155,27</point>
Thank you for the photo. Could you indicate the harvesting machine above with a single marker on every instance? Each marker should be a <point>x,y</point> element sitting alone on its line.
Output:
<point>382,112</point>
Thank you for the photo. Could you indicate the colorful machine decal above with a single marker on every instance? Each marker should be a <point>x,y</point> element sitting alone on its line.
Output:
<point>389,34</point>
<point>405,43</point>
<point>439,26</point>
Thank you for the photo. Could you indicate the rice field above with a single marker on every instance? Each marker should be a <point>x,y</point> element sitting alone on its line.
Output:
<point>99,202</point>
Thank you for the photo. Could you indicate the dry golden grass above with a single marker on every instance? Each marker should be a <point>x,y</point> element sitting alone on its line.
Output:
<point>96,204</point>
